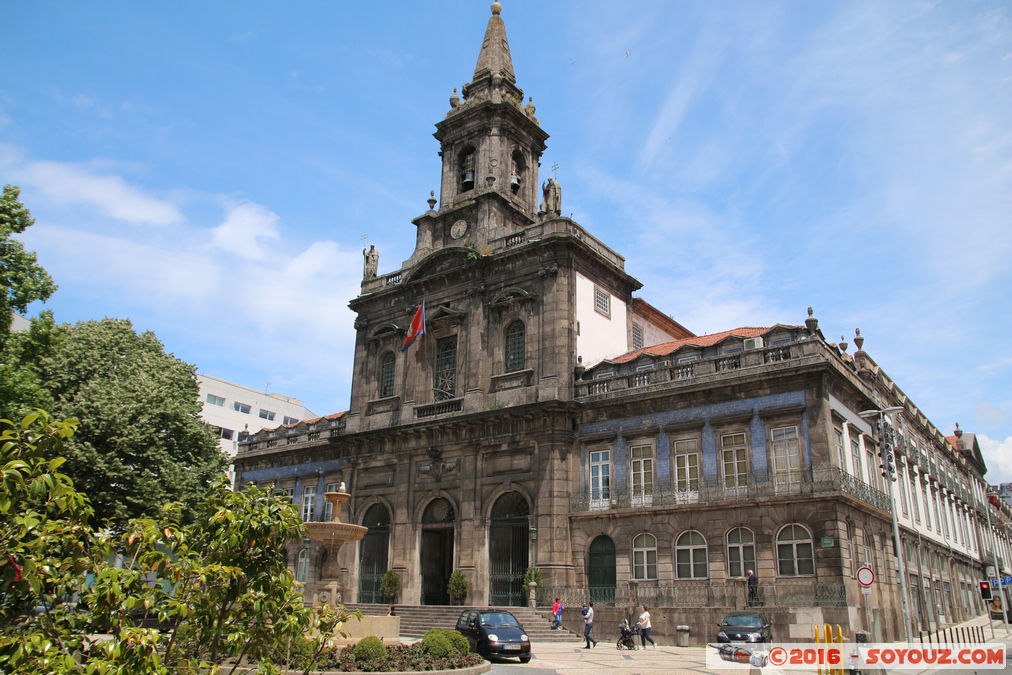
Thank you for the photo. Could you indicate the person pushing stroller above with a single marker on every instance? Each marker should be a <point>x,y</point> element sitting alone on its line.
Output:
<point>625,635</point>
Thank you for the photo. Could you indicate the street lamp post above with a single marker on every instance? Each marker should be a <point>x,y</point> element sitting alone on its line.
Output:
<point>997,568</point>
<point>889,470</point>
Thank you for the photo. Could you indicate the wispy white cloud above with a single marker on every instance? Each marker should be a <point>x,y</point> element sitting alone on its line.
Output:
<point>109,193</point>
<point>246,229</point>
<point>998,457</point>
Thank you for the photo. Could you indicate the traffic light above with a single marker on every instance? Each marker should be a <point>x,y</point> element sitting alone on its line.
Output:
<point>985,590</point>
<point>885,452</point>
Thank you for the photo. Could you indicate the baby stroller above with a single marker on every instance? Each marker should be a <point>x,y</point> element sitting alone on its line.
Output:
<point>625,635</point>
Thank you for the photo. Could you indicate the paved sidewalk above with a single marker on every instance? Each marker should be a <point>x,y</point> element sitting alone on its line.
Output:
<point>571,659</point>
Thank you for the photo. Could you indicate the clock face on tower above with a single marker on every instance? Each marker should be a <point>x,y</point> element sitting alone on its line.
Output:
<point>458,229</point>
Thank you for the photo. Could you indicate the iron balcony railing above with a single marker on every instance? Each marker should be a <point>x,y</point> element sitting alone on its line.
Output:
<point>825,481</point>
<point>731,593</point>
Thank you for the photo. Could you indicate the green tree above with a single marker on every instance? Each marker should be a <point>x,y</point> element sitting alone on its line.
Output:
<point>22,279</point>
<point>21,389</point>
<point>22,282</point>
<point>224,583</point>
<point>140,442</point>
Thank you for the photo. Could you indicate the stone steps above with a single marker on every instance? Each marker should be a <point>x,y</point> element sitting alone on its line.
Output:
<point>417,619</point>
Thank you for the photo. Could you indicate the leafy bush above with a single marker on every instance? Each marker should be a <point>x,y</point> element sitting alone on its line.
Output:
<point>295,652</point>
<point>436,644</point>
<point>369,648</point>
<point>458,641</point>
<point>399,658</point>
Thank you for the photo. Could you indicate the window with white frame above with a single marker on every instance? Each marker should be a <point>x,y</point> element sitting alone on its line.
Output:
<point>602,301</point>
<point>266,415</point>
<point>863,545</point>
<point>902,483</point>
<point>642,474</point>
<point>686,466</point>
<point>690,556</point>
<point>740,552</point>
<point>927,505</point>
<point>240,407</point>
<point>855,457</point>
<point>308,502</point>
<point>644,557</point>
<point>786,455</point>
<point>600,479</point>
<point>734,461</point>
<point>840,451</point>
<point>795,551</point>
<point>302,566</point>
<point>216,400</point>
<point>913,495</point>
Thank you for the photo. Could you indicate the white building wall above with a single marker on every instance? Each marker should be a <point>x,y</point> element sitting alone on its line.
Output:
<point>599,336</point>
<point>228,418</point>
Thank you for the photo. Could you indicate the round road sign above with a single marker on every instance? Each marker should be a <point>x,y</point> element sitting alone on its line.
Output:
<point>865,576</point>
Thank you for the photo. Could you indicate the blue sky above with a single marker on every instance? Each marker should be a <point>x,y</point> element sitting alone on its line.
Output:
<point>208,170</point>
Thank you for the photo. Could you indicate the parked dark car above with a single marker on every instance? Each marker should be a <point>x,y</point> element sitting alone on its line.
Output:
<point>745,627</point>
<point>494,633</point>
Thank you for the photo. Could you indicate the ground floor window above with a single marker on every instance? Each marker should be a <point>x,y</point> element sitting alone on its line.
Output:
<point>795,551</point>
<point>645,557</point>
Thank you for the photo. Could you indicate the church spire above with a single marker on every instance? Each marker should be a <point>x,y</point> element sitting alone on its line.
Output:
<point>494,69</point>
<point>494,58</point>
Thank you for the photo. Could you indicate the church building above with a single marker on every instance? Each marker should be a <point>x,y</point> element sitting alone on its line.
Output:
<point>548,418</point>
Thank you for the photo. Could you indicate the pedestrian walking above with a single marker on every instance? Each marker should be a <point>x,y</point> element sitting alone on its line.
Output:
<point>588,624</point>
<point>645,626</point>
<point>753,588</point>
<point>556,614</point>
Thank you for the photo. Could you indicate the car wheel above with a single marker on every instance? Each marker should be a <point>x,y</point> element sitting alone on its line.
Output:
<point>525,659</point>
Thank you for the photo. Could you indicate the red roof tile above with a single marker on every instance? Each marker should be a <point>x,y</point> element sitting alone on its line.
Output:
<point>700,341</point>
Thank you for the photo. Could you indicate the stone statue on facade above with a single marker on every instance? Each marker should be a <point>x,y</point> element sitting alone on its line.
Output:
<point>372,258</point>
<point>553,198</point>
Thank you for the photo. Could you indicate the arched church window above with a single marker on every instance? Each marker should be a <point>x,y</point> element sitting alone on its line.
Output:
<point>387,375</point>
<point>467,162</point>
<point>515,347</point>
<point>445,375</point>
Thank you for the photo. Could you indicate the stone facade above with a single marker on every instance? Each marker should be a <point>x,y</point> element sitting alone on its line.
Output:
<point>655,476</point>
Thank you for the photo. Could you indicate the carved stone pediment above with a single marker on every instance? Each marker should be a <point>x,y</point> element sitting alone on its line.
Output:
<point>512,298</point>
<point>443,316</point>
<point>440,263</point>
<point>386,331</point>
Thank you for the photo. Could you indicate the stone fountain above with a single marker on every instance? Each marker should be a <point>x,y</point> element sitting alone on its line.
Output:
<point>333,535</point>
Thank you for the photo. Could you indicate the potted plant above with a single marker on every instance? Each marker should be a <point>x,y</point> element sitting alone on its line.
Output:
<point>457,586</point>
<point>390,585</point>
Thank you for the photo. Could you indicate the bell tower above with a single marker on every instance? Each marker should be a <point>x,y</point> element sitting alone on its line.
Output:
<point>490,144</point>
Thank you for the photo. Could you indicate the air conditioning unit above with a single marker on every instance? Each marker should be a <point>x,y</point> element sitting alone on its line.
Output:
<point>753,343</point>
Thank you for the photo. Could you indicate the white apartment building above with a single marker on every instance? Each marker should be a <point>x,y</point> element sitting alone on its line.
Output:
<point>239,411</point>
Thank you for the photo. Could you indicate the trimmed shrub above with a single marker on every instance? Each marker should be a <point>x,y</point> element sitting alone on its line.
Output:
<point>458,641</point>
<point>457,585</point>
<point>370,648</point>
<point>436,644</point>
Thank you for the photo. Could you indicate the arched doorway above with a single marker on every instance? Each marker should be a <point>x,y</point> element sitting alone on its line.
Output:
<point>372,553</point>
<point>508,550</point>
<point>601,570</point>
<point>437,551</point>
